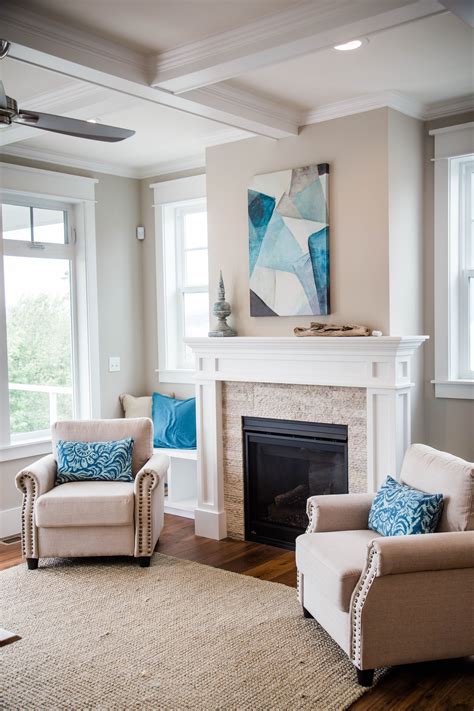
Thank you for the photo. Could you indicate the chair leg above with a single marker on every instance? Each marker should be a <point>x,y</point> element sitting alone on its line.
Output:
<point>307,614</point>
<point>32,563</point>
<point>365,677</point>
<point>144,562</point>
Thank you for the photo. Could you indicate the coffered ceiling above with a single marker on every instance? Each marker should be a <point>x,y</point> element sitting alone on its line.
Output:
<point>186,74</point>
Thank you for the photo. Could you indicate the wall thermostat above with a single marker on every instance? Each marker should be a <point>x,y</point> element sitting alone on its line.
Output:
<point>140,233</point>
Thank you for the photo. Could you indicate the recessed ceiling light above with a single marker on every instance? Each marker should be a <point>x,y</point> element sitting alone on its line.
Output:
<point>95,120</point>
<point>347,46</point>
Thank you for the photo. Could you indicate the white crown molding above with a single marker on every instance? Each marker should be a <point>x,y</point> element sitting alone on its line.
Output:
<point>459,105</point>
<point>304,28</point>
<point>360,104</point>
<point>228,97</point>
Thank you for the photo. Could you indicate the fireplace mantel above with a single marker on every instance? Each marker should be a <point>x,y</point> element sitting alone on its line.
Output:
<point>381,365</point>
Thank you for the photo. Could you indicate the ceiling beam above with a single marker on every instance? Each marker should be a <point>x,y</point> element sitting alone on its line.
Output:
<point>82,55</point>
<point>308,27</point>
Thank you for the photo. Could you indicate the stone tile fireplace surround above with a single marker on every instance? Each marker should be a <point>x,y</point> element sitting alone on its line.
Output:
<point>363,383</point>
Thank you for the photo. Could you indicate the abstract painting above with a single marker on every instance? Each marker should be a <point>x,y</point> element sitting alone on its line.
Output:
<point>289,242</point>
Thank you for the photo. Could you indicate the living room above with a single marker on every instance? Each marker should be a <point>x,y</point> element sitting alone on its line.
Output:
<point>237,266</point>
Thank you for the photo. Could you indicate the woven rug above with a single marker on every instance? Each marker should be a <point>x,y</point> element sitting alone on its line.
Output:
<point>179,635</point>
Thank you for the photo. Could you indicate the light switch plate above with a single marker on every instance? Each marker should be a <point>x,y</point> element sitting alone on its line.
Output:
<point>114,364</point>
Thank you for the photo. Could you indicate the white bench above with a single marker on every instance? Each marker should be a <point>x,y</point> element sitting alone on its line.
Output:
<point>181,497</point>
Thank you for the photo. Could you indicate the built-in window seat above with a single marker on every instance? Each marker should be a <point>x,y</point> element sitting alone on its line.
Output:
<point>181,490</point>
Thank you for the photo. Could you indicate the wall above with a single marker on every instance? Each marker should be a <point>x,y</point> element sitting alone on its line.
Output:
<point>120,299</point>
<point>356,147</point>
<point>449,422</point>
<point>405,215</point>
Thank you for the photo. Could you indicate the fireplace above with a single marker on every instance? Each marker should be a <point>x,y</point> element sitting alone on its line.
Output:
<point>285,462</point>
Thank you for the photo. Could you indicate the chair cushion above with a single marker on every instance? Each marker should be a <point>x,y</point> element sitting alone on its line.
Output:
<point>400,510</point>
<point>86,503</point>
<point>335,561</point>
<point>435,472</point>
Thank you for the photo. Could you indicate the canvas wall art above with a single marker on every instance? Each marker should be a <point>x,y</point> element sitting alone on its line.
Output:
<point>289,242</point>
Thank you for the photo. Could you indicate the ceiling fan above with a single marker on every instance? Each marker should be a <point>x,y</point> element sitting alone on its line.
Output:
<point>10,113</point>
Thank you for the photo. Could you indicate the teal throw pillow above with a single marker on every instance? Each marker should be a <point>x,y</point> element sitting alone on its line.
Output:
<point>400,510</point>
<point>174,422</point>
<point>94,461</point>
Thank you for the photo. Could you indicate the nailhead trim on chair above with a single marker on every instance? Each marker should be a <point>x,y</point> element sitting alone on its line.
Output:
<point>148,481</point>
<point>358,601</point>
<point>311,512</point>
<point>299,586</point>
<point>28,537</point>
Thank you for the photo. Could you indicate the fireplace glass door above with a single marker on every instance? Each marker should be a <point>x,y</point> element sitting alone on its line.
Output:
<point>286,462</point>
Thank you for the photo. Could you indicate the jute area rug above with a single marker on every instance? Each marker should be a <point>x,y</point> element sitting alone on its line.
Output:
<point>106,634</point>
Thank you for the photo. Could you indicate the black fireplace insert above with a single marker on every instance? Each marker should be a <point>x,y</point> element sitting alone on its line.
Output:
<point>286,462</point>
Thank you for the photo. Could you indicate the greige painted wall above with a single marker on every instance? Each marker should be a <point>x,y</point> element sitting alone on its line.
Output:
<point>356,147</point>
<point>449,423</point>
<point>405,175</point>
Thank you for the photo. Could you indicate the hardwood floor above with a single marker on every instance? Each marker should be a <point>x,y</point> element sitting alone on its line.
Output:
<point>434,686</point>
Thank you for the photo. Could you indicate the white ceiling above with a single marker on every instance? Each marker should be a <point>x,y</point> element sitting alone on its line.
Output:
<point>428,61</point>
<point>158,25</point>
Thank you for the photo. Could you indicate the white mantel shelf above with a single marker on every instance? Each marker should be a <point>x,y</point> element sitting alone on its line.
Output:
<point>381,365</point>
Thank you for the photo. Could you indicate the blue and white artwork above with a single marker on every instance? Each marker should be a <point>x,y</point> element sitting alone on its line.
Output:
<point>289,242</point>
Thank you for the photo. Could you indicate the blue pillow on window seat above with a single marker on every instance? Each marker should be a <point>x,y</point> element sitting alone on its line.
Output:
<point>400,510</point>
<point>174,422</point>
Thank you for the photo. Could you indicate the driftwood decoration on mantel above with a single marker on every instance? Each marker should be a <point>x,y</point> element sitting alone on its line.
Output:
<point>332,329</point>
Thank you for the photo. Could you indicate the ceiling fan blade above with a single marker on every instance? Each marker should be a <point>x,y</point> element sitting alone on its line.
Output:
<point>72,127</point>
<point>3,97</point>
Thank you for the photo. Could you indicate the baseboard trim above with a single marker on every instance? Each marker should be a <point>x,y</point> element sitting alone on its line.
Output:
<point>10,522</point>
<point>210,524</point>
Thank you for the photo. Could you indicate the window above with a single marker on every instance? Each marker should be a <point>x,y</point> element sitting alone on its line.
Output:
<point>48,306</point>
<point>182,273</point>
<point>38,262</point>
<point>462,188</point>
<point>454,262</point>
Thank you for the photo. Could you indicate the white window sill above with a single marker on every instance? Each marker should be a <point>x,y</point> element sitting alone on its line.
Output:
<point>455,389</point>
<point>24,450</point>
<point>180,375</point>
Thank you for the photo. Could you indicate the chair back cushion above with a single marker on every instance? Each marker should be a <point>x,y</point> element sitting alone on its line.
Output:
<point>140,429</point>
<point>436,472</point>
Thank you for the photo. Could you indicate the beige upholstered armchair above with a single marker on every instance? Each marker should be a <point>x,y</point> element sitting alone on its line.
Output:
<point>94,518</point>
<point>393,600</point>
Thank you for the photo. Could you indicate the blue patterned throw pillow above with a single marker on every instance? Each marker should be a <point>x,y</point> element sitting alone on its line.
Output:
<point>400,510</point>
<point>94,461</point>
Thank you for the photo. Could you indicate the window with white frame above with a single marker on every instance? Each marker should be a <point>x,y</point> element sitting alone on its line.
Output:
<point>454,262</point>
<point>38,269</point>
<point>182,271</point>
<point>48,339</point>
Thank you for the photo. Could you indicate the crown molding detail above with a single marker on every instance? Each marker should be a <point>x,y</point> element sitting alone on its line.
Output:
<point>307,27</point>
<point>360,104</point>
<point>449,108</point>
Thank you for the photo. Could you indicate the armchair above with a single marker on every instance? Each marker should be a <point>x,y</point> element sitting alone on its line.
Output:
<point>94,518</point>
<point>393,600</point>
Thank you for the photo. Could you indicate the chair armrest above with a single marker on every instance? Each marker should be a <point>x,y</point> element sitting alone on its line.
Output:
<point>149,494</point>
<point>338,512</point>
<point>39,475</point>
<point>424,552</point>
<point>33,480</point>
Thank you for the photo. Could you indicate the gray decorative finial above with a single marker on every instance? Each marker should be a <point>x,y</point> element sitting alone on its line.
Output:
<point>222,310</point>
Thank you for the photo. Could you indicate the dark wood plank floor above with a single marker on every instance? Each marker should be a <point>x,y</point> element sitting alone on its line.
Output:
<point>435,686</point>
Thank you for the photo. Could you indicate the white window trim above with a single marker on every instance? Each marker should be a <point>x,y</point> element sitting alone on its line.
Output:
<point>167,193</point>
<point>79,192</point>
<point>451,142</point>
